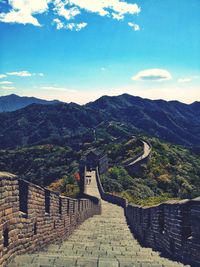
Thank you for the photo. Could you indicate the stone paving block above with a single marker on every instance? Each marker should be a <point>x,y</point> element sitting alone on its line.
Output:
<point>151,265</point>
<point>129,264</point>
<point>24,259</point>
<point>43,260</point>
<point>13,264</point>
<point>108,262</point>
<point>84,262</point>
<point>65,262</point>
<point>27,265</point>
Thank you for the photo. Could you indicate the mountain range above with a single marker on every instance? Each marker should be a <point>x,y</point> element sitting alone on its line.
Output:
<point>13,102</point>
<point>172,121</point>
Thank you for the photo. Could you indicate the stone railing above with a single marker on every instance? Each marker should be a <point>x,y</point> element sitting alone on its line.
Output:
<point>32,217</point>
<point>172,228</point>
<point>109,197</point>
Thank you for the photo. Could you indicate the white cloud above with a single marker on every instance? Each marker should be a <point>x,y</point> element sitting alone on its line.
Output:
<point>55,88</point>
<point>18,17</point>
<point>36,6</point>
<point>69,26</point>
<point>80,26</point>
<point>6,82</point>
<point>59,24</point>
<point>152,75</point>
<point>2,76</point>
<point>76,26</point>
<point>23,73</point>
<point>67,13</point>
<point>184,80</point>
<point>7,87</point>
<point>117,16</point>
<point>24,11</point>
<point>134,26</point>
<point>104,8</point>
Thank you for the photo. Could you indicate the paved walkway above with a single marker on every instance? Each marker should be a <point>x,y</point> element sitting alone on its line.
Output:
<point>146,152</point>
<point>101,241</point>
<point>91,184</point>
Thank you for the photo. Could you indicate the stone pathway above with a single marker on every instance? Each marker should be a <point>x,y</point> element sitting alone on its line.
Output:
<point>101,241</point>
<point>91,188</point>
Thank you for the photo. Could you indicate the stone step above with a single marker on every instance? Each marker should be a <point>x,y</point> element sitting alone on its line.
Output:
<point>102,241</point>
<point>56,259</point>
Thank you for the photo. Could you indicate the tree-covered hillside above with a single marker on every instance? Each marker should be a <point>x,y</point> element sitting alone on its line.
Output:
<point>172,172</point>
<point>61,123</point>
<point>40,164</point>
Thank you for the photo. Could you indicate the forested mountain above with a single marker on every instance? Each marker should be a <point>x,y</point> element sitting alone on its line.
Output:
<point>169,120</point>
<point>61,123</point>
<point>14,102</point>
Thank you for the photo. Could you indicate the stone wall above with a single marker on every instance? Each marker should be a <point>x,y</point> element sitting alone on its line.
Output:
<point>109,197</point>
<point>32,217</point>
<point>172,228</point>
<point>137,167</point>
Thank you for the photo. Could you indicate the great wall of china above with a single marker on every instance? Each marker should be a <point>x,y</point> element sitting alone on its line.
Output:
<point>33,217</point>
<point>172,228</point>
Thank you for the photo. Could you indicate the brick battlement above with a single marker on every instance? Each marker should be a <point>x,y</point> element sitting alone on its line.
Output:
<point>32,217</point>
<point>173,228</point>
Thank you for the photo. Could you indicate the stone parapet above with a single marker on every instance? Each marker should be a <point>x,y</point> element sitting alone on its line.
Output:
<point>173,228</point>
<point>31,217</point>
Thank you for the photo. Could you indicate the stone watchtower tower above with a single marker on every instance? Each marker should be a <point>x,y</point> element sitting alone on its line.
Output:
<point>96,159</point>
<point>90,161</point>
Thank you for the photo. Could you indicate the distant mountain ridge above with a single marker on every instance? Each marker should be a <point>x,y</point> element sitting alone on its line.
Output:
<point>172,121</point>
<point>14,102</point>
<point>169,120</point>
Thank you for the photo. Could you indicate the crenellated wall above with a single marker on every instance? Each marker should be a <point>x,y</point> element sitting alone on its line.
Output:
<point>32,217</point>
<point>172,228</point>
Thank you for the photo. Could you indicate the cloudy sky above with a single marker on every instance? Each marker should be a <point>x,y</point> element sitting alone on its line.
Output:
<point>78,50</point>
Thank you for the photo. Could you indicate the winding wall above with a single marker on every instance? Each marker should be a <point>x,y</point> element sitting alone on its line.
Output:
<point>134,165</point>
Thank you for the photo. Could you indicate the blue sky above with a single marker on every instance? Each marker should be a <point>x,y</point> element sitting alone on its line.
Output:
<point>78,50</point>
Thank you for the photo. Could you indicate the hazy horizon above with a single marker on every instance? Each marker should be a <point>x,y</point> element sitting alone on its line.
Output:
<point>52,99</point>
